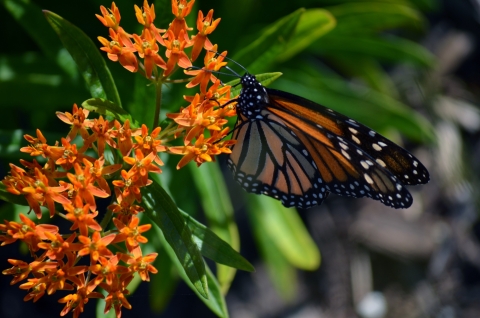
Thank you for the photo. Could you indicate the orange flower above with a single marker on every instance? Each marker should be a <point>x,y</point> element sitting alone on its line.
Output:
<point>21,270</point>
<point>82,182</point>
<point>120,50</point>
<point>142,165</point>
<point>96,246</point>
<point>176,55</point>
<point>205,26</point>
<point>131,186</point>
<point>57,247</point>
<point>201,152</point>
<point>97,171</point>
<point>110,19</point>
<point>203,76</point>
<point>131,234</point>
<point>116,294</point>
<point>140,264</point>
<point>78,120</point>
<point>180,9</point>
<point>26,231</point>
<point>146,18</point>
<point>124,208</point>
<point>81,217</point>
<point>150,143</point>
<point>40,193</point>
<point>124,134</point>
<point>77,301</point>
<point>37,286</point>
<point>39,147</point>
<point>147,49</point>
<point>108,269</point>
<point>101,134</point>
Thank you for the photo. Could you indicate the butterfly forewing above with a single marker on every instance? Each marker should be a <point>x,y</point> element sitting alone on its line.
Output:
<point>408,169</point>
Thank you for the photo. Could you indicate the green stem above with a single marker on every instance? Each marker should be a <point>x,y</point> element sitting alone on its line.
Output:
<point>158,102</point>
<point>106,219</point>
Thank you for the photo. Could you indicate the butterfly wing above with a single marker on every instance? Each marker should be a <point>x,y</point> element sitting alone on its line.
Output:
<point>408,169</point>
<point>297,151</point>
<point>269,159</point>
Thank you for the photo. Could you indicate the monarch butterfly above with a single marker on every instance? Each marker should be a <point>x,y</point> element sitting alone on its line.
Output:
<point>298,151</point>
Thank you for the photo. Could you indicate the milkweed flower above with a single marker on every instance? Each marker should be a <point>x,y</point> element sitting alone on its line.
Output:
<point>68,177</point>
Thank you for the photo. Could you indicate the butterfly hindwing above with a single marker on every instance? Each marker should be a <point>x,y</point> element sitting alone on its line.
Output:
<point>268,159</point>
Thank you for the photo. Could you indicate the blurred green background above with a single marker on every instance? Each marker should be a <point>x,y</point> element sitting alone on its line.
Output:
<point>408,69</point>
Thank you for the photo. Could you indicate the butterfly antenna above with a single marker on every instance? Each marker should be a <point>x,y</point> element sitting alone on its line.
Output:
<point>214,72</point>
<point>218,54</point>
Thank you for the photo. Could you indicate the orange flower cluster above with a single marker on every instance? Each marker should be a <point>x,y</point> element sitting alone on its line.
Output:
<point>68,180</point>
<point>73,180</point>
<point>202,122</point>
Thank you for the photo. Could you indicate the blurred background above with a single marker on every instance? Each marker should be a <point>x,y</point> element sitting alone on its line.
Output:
<point>408,69</point>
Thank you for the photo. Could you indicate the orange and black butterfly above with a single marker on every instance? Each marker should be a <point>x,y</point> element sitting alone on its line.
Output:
<point>298,151</point>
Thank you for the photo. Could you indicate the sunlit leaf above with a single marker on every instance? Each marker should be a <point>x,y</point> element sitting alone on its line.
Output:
<point>161,209</point>
<point>264,51</point>
<point>106,107</point>
<point>88,58</point>
<point>215,301</point>
<point>313,24</point>
<point>287,231</point>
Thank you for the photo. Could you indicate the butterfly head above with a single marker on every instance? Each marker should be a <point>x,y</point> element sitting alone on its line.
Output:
<point>253,96</point>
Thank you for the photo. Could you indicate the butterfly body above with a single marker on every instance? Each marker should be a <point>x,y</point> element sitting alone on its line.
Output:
<point>298,151</point>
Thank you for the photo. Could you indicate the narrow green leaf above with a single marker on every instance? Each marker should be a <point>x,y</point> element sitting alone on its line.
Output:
<point>88,58</point>
<point>216,301</point>
<point>219,212</point>
<point>162,284</point>
<point>280,270</point>
<point>106,107</point>
<point>213,247</point>
<point>161,209</point>
<point>367,17</point>
<point>287,231</point>
<point>263,52</point>
<point>313,24</point>
<point>30,17</point>
<point>265,78</point>
<point>388,49</point>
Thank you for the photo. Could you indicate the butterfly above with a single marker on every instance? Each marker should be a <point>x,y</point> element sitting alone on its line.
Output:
<point>297,151</point>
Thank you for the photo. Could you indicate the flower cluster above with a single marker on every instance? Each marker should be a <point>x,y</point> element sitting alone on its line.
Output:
<point>71,175</point>
<point>202,123</point>
<point>70,181</point>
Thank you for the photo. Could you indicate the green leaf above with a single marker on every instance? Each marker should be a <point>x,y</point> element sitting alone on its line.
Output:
<point>162,284</point>
<point>88,58</point>
<point>389,49</point>
<point>161,209</point>
<point>265,78</point>
<point>287,231</point>
<point>213,247</point>
<point>368,17</point>
<point>12,198</point>
<point>216,301</point>
<point>280,270</point>
<point>30,17</point>
<point>219,212</point>
<point>263,52</point>
<point>313,24</point>
<point>108,108</point>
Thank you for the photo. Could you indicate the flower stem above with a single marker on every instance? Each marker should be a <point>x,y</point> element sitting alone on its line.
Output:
<point>158,102</point>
